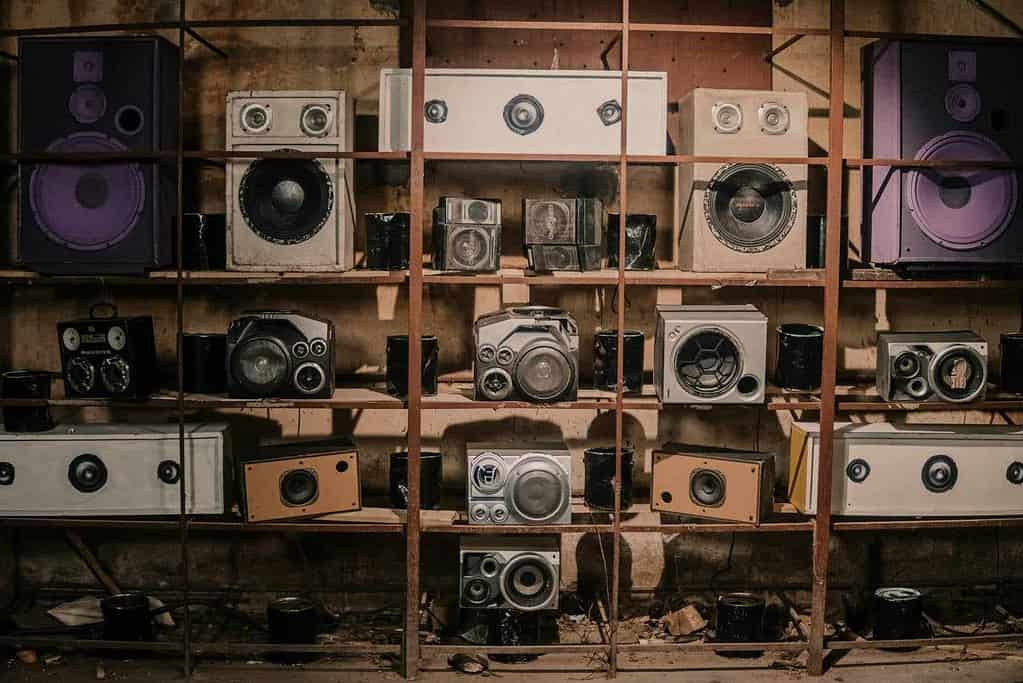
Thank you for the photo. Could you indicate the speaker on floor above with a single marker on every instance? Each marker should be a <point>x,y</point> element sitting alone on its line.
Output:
<point>715,483</point>
<point>304,478</point>
<point>507,572</point>
<point>935,101</point>
<point>105,95</point>
<point>115,469</point>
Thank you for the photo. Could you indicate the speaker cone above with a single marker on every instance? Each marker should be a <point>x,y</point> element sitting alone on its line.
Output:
<point>907,364</point>
<point>285,201</point>
<point>543,373</point>
<point>468,247</point>
<point>496,384</point>
<point>488,474</point>
<point>528,582</point>
<point>477,592</point>
<point>1014,473</point>
<point>958,374</point>
<point>310,378</point>
<point>6,474</point>
<point>260,365</point>
<point>299,487</point>
<point>538,489</point>
<point>81,374</point>
<point>87,473</point>
<point>88,207</point>
<point>707,488</point>
<point>523,114</point>
<point>550,222</point>
<point>857,470</point>
<point>708,363</point>
<point>939,473</point>
<point>750,207</point>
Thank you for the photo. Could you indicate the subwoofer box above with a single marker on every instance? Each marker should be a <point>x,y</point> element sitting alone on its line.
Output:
<point>302,479</point>
<point>97,95</point>
<point>742,217</point>
<point>919,470</point>
<point>715,483</point>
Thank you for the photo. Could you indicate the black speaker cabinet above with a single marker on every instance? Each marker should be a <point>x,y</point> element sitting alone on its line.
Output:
<point>112,95</point>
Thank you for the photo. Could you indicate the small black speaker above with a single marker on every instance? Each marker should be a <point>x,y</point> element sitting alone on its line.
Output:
<point>387,236</point>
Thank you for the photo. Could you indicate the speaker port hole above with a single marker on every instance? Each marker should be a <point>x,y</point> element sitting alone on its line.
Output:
<point>748,385</point>
<point>129,120</point>
<point>666,497</point>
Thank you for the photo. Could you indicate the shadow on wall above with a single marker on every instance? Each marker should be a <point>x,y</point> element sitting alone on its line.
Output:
<point>593,556</point>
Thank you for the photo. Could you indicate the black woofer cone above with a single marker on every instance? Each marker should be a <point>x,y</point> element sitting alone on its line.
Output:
<point>1014,473</point>
<point>87,473</point>
<point>544,373</point>
<point>260,365</point>
<point>528,582</point>
<point>285,201</point>
<point>707,488</point>
<point>958,374</point>
<point>477,592</point>
<point>299,487</point>
<point>750,207</point>
<point>857,470</point>
<point>939,473</point>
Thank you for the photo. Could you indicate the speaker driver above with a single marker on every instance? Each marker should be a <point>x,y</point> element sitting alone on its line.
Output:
<point>81,374</point>
<point>523,114</point>
<point>310,378</point>
<point>543,373</point>
<point>857,470</point>
<point>552,220</point>
<point>528,582</point>
<point>708,363</point>
<point>477,592</point>
<point>169,472</point>
<point>116,374</point>
<point>907,364</point>
<point>6,473</point>
<point>88,207</point>
<point>537,491</point>
<point>260,365</point>
<point>1014,473</point>
<point>87,473</point>
<point>774,118</point>
<point>963,208</point>
<point>707,488</point>
<point>285,201</point>
<point>469,248</point>
<point>496,384</point>
<point>727,117</point>
<point>750,207</point>
<point>299,487</point>
<point>958,374</point>
<point>962,102</point>
<point>87,104</point>
<point>939,473</point>
<point>488,474</point>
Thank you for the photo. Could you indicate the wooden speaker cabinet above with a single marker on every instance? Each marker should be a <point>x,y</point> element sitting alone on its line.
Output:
<point>716,483</point>
<point>302,479</point>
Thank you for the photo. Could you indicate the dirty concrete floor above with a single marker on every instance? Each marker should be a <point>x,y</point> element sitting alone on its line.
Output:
<point>997,665</point>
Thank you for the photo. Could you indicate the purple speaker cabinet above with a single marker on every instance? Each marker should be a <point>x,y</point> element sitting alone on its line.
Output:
<point>942,100</point>
<point>112,95</point>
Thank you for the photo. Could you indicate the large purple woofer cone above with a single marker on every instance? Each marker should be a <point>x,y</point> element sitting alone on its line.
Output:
<point>87,207</point>
<point>962,208</point>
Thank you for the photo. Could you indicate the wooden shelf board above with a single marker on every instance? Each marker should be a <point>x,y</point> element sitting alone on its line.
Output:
<point>524,25</point>
<point>655,27</point>
<point>845,524</point>
<point>880,278</point>
<point>213,278</point>
<point>198,524</point>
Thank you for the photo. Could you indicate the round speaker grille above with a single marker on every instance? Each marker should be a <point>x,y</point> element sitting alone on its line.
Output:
<point>551,222</point>
<point>708,363</point>
<point>707,488</point>
<point>528,582</point>
<point>906,365</point>
<point>857,470</point>
<point>727,117</point>
<point>299,487</point>
<point>468,248</point>
<point>477,592</point>
<point>962,102</point>
<point>260,365</point>
<point>87,104</point>
<point>488,474</point>
<point>285,201</point>
<point>115,372</point>
<point>774,118</point>
<point>87,473</point>
<point>539,489</point>
<point>81,374</point>
<point>523,114</point>
<point>939,473</point>
<point>543,373</point>
<point>962,208</point>
<point>750,207</point>
<point>310,378</point>
<point>496,384</point>
<point>88,207</point>
<point>958,374</point>
<point>1014,473</point>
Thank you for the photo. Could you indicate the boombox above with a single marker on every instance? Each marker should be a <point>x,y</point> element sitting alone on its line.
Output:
<point>519,485</point>
<point>931,366</point>
<point>717,483</point>
<point>710,354</point>
<point>302,479</point>
<point>942,101</point>
<point>741,216</point>
<point>290,214</point>
<point>545,258</point>
<point>111,469</point>
<point>467,234</point>
<point>563,221</point>
<point>507,572</point>
<point>529,353</point>
<point>86,95</point>
<point>921,470</point>
<point>108,357</point>
<point>280,354</point>
<point>524,110</point>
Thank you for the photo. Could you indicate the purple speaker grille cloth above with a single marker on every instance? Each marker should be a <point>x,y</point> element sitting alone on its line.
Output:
<point>962,208</point>
<point>87,207</point>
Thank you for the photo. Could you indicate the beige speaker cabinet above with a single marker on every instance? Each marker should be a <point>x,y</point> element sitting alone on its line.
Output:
<point>290,214</point>
<point>742,217</point>
<point>301,479</point>
<point>722,484</point>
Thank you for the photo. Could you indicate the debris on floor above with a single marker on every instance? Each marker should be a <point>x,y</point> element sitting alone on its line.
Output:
<point>468,664</point>
<point>685,621</point>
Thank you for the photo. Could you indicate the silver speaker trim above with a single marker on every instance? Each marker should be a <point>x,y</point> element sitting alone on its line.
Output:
<point>530,462</point>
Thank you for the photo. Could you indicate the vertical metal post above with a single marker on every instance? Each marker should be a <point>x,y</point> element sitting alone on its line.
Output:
<point>832,289</point>
<point>410,652</point>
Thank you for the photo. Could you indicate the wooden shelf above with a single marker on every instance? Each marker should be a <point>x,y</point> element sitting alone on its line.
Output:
<point>672,159</point>
<point>232,525</point>
<point>210,278</point>
<point>524,25</point>
<point>658,27</point>
<point>845,524</point>
<point>881,278</point>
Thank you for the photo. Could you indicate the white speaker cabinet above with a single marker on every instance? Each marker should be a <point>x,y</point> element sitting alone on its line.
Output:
<point>524,111</point>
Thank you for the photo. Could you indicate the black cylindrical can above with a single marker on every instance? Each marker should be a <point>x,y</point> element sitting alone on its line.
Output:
<point>800,356</point>
<point>898,613</point>
<point>30,384</point>
<point>204,359</point>
<point>1012,362</point>
<point>740,618</point>
<point>640,237</point>
<point>292,621</point>
<point>387,237</point>
<point>204,241</point>
<point>605,360</point>
<point>397,364</point>
<point>518,629</point>
<point>126,617</point>
<point>431,476</point>
<point>600,473</point>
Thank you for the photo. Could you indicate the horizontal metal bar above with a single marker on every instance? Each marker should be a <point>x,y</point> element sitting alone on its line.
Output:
<point>720,528</point>
<point>553,648</point>
<point>502,529</point>
<point>197,524</point>
<point>297,22</point>
<point>227,649</point>
<point>70,642</point>
<point>772,646</point>
<point>658,27</point>
<point>90,28</point>
<point>563,158</point>
<point>525,25</point>
<point>205,43</point>
<point>906,524</point>
<point>835,644</point>
<point>87,157</point>
<point>934,163</point>
<point>224,155</point>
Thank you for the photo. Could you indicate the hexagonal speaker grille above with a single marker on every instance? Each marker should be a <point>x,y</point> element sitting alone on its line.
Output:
<point>708,363</point>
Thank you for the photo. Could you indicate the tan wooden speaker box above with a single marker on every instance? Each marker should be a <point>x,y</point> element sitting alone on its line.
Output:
<point>302,479</point>
<point>698,481</point>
